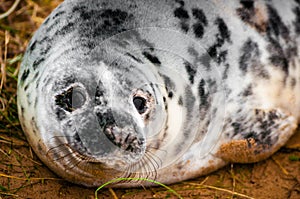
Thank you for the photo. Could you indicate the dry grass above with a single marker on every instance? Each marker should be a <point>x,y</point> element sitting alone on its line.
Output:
<point>22,175</point>
<point>15,32</point>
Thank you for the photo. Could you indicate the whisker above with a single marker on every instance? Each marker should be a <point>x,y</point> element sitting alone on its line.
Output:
<point>156,157</point>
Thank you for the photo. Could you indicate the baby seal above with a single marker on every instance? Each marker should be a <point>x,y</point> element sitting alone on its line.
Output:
<point>166,90</point>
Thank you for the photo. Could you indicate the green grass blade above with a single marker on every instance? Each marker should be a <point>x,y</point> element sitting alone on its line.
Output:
<point>137,179</point>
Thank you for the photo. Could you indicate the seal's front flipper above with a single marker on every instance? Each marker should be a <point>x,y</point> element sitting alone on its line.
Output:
<point>256,135</point>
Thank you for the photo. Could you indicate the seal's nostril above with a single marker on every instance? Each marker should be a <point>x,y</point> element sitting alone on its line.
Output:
<point>105,118</point>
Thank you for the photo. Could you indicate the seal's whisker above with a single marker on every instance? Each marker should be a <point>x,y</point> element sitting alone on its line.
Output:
<point>63,152</point>
<point>74,162</point>
<point>61,145</point>
<point>68,157</point>
<point>151,163</point>
<point>156,157</point>
<point>153,166</point>
<point>147,167</point>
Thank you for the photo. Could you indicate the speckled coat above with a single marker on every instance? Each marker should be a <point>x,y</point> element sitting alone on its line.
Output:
<point>165,89</point>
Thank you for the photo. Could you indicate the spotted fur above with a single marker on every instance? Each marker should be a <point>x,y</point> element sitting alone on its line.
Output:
<point>167,90</point>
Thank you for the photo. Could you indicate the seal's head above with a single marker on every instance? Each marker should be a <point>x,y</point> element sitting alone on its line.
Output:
<point>99,113</point>
<point>99,102</point>
<point>119,108</point>
<point>110,111</point>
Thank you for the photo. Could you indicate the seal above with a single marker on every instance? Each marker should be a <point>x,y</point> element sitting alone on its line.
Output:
<point>166,90</point>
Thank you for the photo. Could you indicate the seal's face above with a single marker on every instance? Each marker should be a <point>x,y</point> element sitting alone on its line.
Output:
<point>100,115</point>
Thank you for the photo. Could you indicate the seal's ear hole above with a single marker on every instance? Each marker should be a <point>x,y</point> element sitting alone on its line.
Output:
<point>140,104</point>
<point>71,99</point>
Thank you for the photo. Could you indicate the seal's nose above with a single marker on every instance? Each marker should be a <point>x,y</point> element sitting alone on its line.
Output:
<point>121,129</point>
<point>125,138</point>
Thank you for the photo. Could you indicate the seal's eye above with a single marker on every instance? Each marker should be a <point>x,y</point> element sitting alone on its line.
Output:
<point>71,99</point>
<point>140,104</point>
<point>77,99</point>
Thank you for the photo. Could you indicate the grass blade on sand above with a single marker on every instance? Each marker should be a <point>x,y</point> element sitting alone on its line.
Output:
<point>136,179</point>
